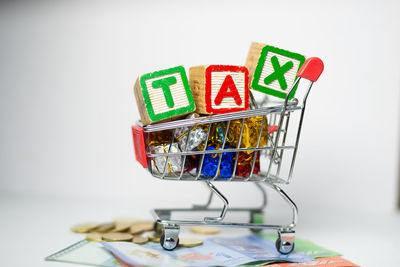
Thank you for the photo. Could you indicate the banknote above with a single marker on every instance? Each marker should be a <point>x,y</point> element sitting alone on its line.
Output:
<point>93,253</point>
<point>334,261</point>
<point>85,252</point>
<point>300,245</point>
<point>140,255</point>
<point>214,252</point>
<point>305,246</point>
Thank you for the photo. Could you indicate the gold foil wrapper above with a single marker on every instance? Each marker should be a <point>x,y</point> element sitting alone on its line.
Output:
<point>217,133</point>
<point>160,138</point>
<point>251,132</point>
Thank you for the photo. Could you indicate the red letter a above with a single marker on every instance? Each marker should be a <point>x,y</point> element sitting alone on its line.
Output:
<point>228,89</point>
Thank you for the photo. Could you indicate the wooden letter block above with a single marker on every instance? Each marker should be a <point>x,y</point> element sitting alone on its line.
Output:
<point>163,95</point>
<point>219,88</point>
<point>252,58</point>
<point>276,71</point>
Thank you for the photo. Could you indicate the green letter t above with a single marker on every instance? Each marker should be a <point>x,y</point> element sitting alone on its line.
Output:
<point>164,84</point>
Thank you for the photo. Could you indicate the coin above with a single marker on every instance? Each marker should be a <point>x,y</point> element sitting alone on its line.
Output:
<point>94,237</point>
<point>136,229</point>
<point>117,237</point>
<point>141,227</point>
<point>147,226</point>
<point>204,230</point>
<point>154,237</point>
<point>84,227</point>
<point>140,240</point>
<point>123,223</point>
<point>105,227</point>
<point>190,242</point>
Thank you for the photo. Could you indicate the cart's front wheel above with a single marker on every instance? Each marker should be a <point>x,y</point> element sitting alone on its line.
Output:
<point>169,243</point>
<point>284,247</point>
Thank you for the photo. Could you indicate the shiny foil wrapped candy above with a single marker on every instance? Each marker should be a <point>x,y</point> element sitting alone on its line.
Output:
<point>245,162</point>
<point>217,133</point>
<point>251,131</point>
<point>210,164</point>
<point>197,136</point>
<point>174,162</point>
<point>160,137</point>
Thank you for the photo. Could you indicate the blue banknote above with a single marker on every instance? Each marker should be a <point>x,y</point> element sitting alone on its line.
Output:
<point>214,252</point>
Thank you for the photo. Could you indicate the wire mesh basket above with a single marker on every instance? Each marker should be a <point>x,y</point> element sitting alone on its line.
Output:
<point>268,157</point>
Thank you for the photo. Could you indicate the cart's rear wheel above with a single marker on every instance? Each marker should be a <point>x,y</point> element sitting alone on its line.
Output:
<point>256,218</point>
<point>169,243</point>
<point>284,247</point>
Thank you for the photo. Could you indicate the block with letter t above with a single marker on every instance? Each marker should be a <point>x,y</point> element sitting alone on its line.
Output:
<point>219,88</point>
<point>163,95</point>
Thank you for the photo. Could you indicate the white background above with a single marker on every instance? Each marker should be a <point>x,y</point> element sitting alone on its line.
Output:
<point>67,70</point>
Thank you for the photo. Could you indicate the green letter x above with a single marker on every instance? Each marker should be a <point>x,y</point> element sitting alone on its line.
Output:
<point>164,84</point>
<point>278,73</point>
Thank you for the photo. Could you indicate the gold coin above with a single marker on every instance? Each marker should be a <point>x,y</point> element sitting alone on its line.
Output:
<point>204,230</point>
<point>140,227</point>
<point>140,240</point>
<point>190,242</point>
<point>154,237</point>
<point>136,229</point>
<point>122,224</point>
<point>105,227</point>
<point>94,237</point>
<point>117,237</point>
<point>84,227</point>
<point>147,226</point>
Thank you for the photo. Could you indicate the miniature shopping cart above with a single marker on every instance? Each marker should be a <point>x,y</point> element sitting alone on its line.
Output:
<point>277,159</point>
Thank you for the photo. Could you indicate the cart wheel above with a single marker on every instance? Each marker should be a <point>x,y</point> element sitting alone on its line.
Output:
<point>169,243</point>
<point>255,230</point>
<point>256,218</point>
<point>284,247</point>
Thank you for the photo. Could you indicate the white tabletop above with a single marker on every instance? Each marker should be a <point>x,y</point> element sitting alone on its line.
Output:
<point>33,227</point>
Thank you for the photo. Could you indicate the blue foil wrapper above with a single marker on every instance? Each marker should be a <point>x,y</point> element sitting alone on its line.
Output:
<point>210,164</point>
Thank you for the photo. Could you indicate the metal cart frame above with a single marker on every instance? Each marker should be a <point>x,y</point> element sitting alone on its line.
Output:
<point>273,152</point>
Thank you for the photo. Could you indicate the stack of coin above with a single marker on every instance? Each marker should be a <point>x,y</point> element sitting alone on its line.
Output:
<point>117,236</point>
<point>120,229</point>
<point>85,227</point>
<point>136,231</point>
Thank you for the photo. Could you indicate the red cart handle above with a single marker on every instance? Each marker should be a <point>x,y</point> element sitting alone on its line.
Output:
<point>311,69</point>
<point>140,147</point>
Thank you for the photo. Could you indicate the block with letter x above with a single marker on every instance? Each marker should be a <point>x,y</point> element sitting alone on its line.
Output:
<point>163,95</point>
<point>219,88</point>
<point>276,71</point>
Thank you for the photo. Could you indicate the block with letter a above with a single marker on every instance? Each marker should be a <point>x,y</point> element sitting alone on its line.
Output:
<point>163,95</point>
<point>219,88</point>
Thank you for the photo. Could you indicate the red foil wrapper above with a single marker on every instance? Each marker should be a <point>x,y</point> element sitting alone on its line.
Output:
<point>245,162</point>
<point>191,163</point>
